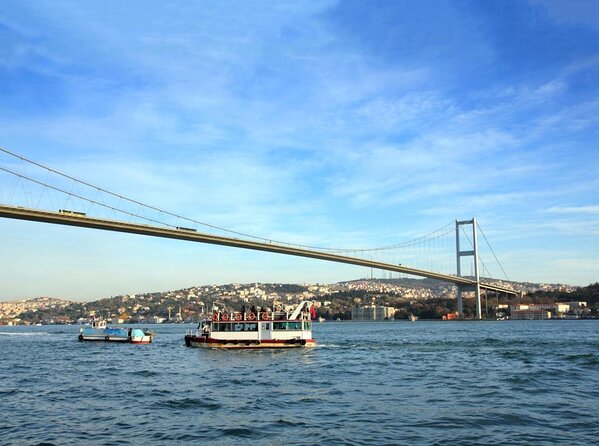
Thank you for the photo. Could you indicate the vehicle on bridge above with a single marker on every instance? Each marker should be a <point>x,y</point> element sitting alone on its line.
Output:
<point>257,328</point>
<point>181,228</point>
<point>73,213</point>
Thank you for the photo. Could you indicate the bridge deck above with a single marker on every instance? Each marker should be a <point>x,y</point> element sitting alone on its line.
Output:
<point>21,213</point>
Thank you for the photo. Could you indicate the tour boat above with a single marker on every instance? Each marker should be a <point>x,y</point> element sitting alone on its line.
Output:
<point>99,332</point>
<point>258,328</point>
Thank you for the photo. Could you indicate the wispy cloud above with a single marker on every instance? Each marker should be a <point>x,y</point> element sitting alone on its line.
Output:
<point>593,210</point>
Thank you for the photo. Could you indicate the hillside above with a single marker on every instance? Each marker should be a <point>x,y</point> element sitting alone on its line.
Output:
<point>428,299</point>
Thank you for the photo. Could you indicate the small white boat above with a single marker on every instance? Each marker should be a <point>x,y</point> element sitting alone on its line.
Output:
<point>263,328</point>
<point>321,319</point>
<point>99,332</point>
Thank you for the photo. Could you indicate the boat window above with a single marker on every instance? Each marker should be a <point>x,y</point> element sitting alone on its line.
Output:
<point>238,326</point>
<point>266,326</point>
<point>287,325</point>
<point>307,325</point>
<point>223,326</point>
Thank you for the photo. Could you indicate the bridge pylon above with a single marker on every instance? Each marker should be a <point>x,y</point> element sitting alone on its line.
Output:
<point>468,253</point>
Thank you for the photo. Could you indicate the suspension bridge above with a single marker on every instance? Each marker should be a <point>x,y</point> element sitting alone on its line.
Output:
<point>32,191</point>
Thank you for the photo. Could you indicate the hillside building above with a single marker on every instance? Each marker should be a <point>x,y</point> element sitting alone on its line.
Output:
<point>372,313</point>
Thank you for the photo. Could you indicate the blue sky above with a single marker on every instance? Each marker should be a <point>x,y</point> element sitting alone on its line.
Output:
<point>329,123</point>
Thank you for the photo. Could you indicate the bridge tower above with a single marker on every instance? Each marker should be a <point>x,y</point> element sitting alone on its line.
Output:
<point>469,253</point>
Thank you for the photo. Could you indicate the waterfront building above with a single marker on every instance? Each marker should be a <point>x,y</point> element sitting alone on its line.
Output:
<point>561,309</point>
<point>530,315</point>
<point>531,311</point>
<point>557,310</point>
<point>372,313</point>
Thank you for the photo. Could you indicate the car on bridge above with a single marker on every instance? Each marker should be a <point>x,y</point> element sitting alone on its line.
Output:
<point>73,213</point>
<point>181,228</point>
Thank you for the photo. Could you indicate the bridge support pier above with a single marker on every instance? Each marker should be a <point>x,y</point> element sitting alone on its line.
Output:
<point>479,314</point>
<point>469,253</point>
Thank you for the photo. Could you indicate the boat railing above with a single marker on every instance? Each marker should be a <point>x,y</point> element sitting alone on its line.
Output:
<point>250,316</point>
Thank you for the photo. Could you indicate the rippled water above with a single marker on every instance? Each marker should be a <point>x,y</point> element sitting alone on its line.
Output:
<point>509,382</point>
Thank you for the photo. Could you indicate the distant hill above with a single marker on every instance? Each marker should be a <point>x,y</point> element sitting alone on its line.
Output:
<point>49,301</point>
<point>425,297</point>
<point>588,294</point>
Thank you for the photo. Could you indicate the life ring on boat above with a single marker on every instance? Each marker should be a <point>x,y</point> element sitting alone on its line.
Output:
<point>214,316</point>
<point>107,338</point>
<point>264,316</point>
<point>224,317</point>
<point>81,337</point>
<point>237,316</point>
<point>251,317</point>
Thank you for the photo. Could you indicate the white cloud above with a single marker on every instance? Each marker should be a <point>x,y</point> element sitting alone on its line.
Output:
<point>593,209</point>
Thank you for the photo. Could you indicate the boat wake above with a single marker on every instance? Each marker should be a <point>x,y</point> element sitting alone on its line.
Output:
<point>29,333</point>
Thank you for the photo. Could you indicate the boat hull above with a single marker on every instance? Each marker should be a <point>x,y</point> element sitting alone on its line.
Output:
<point>120,335</point>
<point>141,340</point>
<point>133,340</point>
<point>208,342</point>
<point>100,338</point>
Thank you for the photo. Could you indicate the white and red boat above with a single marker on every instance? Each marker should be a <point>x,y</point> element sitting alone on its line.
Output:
<point>257,328</point>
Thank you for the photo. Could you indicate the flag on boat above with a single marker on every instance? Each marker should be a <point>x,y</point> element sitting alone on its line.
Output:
<point>312,312</point>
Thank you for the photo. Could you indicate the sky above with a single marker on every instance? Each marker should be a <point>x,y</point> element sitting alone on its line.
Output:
<point>331,123</point>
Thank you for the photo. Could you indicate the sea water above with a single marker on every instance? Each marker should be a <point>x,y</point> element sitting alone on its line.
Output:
<point>385,383</point>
